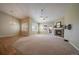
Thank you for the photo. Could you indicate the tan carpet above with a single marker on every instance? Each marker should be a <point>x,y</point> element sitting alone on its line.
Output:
<point>44,45</point>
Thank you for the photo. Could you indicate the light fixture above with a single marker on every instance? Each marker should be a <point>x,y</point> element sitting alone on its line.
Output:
<point>43,17</point>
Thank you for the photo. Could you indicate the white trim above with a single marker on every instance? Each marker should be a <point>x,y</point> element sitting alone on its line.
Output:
<point>74,46</point>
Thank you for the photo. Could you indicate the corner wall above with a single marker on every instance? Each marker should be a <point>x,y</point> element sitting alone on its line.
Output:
<point>72,17</point>
<point>9,26</point>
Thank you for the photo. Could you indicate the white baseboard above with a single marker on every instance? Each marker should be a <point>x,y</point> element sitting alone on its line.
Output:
<point>74,46</point>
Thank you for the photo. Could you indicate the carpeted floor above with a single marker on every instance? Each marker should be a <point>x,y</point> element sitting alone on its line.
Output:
<point>44,45</point>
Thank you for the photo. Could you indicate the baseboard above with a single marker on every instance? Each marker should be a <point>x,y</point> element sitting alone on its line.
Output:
<point>74,46</point>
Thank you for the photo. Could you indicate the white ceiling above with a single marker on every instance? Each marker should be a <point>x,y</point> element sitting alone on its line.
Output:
<point>21,10</point>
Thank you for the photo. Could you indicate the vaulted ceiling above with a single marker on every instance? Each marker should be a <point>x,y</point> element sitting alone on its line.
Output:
<point>20,10</point>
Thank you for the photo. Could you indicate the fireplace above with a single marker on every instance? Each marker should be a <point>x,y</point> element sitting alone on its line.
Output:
<point>59,32</point>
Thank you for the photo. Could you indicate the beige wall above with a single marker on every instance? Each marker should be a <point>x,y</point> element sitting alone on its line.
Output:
<point>9,25</point>
<point>72,17</point>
